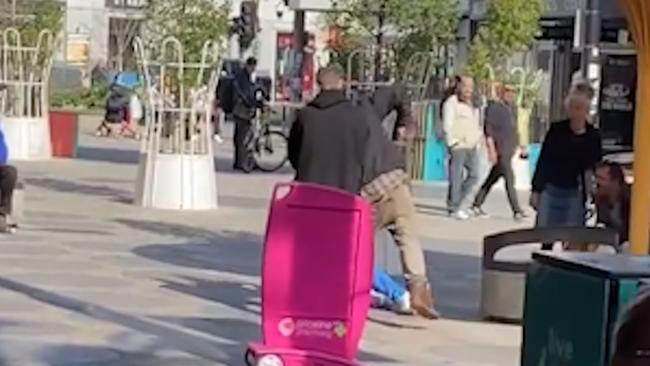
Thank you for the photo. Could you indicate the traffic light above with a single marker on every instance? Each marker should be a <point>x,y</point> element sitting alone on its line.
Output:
<point>248,18</point>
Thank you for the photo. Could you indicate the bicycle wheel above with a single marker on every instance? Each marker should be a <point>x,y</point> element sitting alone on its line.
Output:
<point>271,151</point>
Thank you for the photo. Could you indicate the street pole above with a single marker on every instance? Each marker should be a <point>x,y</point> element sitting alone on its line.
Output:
<point>591,65</point>
<point>233,42</point>
<point>299,42</point>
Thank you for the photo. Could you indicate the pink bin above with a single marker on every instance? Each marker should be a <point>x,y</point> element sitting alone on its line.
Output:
<point>316,277</point>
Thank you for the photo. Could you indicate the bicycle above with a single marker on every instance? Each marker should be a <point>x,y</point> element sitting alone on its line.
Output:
<point>267,149</point>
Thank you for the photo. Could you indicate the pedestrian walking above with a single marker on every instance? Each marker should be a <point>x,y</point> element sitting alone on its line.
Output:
<point>463,135</point>
<point>502,142</point>
<point>570,152</point>
<point>244,109</point>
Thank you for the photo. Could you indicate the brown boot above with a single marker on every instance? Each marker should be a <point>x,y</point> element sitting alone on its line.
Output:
<point>422,301</point>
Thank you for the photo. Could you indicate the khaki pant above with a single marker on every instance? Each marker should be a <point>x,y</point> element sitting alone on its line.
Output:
<point>397,214</point>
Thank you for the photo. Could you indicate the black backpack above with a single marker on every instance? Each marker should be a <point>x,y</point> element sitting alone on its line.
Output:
<point>226,93</point>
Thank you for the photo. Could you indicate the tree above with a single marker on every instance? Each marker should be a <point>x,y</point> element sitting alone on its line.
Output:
<point>192,22</point>
<point>122,31</point>
<point>406,26</point>
<point>510,27</point>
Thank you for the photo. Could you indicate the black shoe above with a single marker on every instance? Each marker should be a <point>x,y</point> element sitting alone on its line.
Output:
<point>520,216</point>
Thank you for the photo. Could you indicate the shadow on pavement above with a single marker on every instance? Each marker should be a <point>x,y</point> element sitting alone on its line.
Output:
<point>225,251</point>
<point>64,186</point>
<point>433,210</point>
<point>132,157</point>
<point>245,297</point>
<point>167,335</point>
<point>116,156</point>
<point>71,354</point>
<point>456,282</point>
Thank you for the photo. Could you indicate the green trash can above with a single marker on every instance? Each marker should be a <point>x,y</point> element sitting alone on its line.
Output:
<point>573,302</point>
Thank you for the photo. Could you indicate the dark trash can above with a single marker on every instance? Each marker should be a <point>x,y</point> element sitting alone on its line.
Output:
<point>573,302</point>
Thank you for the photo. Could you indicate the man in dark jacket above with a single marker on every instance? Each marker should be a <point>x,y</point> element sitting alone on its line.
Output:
<point>244,110</point>
<point>394,98</point>
<point>329,139</point>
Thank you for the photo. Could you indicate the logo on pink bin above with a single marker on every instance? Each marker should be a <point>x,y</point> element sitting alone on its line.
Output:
<point>287,327</point>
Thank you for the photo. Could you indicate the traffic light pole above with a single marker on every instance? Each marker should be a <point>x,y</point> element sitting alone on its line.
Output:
<point>591,64</point>
<point>299,42</point>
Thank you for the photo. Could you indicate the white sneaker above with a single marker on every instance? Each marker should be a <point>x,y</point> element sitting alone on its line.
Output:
<point>218,139</point>
<point>460,215</point>
<point>403,305</point>
<point>378,301</point>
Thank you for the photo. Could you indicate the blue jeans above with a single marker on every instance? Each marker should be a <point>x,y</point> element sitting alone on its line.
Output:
<point>384,284</point>
<point>462,184</point>
<point>561,207</point>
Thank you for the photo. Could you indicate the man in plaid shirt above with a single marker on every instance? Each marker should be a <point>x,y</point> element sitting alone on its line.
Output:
<point>388,189</point>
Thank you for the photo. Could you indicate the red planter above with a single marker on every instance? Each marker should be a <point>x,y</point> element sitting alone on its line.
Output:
<point>64,132</point>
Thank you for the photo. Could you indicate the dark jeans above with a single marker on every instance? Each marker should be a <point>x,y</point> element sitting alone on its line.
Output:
<point>8,178</point>
<point>503,168</point>
<point>243,135</point>
<point>464,166</point>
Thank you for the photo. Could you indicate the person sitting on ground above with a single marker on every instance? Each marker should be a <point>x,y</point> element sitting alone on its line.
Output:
<point>389,294</point>
<point>612,198</point>
<point>633,335</point>
<point>8,179</point>
<point>116,111</point>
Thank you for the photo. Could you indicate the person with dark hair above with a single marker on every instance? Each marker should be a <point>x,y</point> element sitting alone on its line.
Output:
<point>244,110</point>
<point>329,139</point>
<point>612,198</point>
<point>570,152</point>
<point>393,98</point>
<point>633,335</point>
<point>463,135</point>
<point>339,143</point>
<point>502,144</point>
<point>116,110</point>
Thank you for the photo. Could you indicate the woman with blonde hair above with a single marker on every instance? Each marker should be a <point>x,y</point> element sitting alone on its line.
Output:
<point>571,150</point>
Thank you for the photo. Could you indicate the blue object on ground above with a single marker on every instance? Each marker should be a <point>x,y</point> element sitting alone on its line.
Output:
<point>435,149</point>
<point>384,284</point>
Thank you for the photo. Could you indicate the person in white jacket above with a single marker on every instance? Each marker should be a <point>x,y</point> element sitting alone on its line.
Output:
<point>463,135</point>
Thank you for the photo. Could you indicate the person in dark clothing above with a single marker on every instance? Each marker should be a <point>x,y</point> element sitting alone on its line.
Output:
<point>632,345</point>
<point>8,179</point>
<point>329,139</point>
<point>502,144</point>
<point>394,98</point>
<point>340,143</point>
<point>570,152</point>
<point>244,110</point>
<point>612,198</point>
<point>116,110</point>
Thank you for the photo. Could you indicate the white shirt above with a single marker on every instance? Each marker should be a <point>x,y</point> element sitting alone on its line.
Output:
<point>461,124</point>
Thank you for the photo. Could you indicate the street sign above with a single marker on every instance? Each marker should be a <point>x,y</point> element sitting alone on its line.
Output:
<point>313,5</point>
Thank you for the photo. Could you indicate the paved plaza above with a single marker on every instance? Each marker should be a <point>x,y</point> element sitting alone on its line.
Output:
<point>91,279</point>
